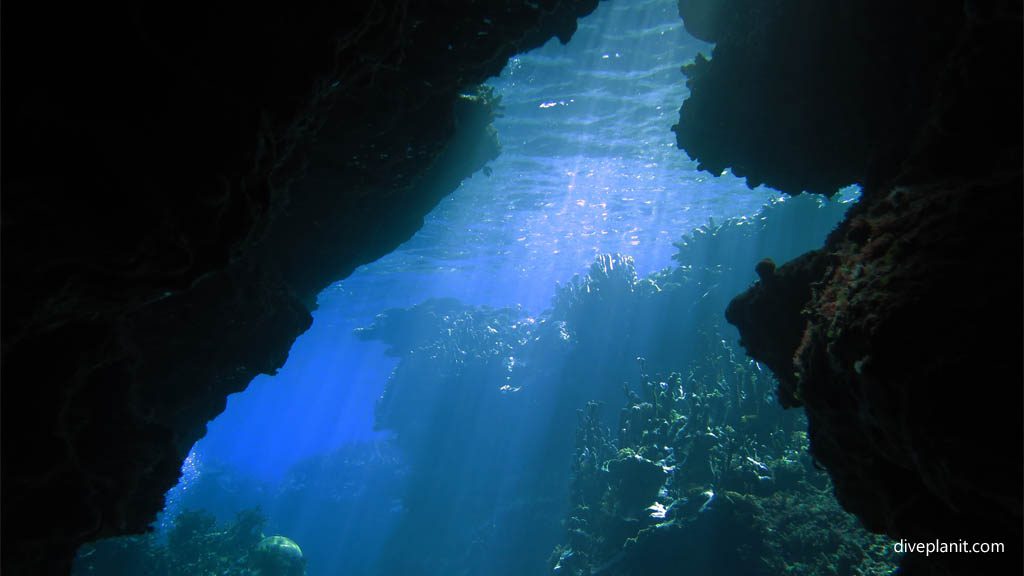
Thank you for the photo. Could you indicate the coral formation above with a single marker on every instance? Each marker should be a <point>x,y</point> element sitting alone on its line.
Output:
<point>774,331</point>
<point>196,544</point>
<point>277,556</point>
<point>482,402</point>
<point>893,336</point>
<point>708,474</point>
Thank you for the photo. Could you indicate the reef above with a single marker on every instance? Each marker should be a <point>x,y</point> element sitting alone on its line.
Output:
<point>178,186</point>
<point>196,544</point>
<point>901,336</point>
<point>482,407</point>
<point>338,505</point>
<point>706,476</point>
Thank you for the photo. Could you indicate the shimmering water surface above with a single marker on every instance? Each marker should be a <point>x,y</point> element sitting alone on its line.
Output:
<point>589,165</point>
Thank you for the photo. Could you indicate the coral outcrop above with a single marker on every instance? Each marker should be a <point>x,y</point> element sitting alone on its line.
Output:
<point>706,477</point>
<point>481,405</point>
<point>197,544</point>
<point>901,337</point>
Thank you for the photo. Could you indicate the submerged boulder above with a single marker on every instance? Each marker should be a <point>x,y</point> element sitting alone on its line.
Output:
<point>278,556</point>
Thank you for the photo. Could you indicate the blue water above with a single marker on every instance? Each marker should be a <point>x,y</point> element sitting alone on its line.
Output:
<point>588,166</point>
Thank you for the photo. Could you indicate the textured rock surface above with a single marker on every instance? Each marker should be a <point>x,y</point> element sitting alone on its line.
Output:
<point>811,96</point>
<point>178,185</point>
<point>908,362</point>
<point>769,318</point>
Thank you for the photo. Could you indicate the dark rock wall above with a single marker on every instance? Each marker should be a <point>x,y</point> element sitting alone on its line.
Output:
<point>178,184</point>
<point>901,338</point>
<point>811,96</point>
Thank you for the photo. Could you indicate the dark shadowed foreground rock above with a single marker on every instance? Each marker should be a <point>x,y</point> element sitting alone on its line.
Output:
<point>169,217</point>
<point>811,96</point>
<point>904,344</point>
<point>769,318</point>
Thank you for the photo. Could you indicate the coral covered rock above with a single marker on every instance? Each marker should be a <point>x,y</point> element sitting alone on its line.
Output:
<point>903,341</point>
<point>277,556</point>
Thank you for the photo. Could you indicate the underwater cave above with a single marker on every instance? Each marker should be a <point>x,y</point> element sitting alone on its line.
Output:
<point>511,288</point>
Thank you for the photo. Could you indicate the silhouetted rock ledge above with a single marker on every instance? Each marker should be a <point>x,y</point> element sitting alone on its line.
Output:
<point>811,96</point>
<point>901,338</point>
<point>769,316</point>
<point>178,184</point>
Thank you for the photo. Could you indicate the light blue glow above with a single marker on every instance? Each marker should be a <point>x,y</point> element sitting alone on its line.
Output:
<point>589,166</point>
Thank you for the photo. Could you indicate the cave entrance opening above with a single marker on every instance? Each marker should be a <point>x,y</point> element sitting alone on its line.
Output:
<point>589,166</point>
